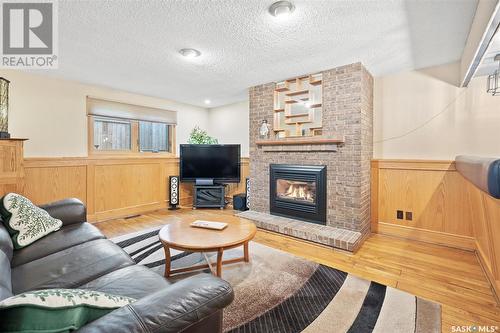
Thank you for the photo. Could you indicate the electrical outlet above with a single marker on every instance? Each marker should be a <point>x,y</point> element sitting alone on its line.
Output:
<point>409,216</point>
<point>399,214</point>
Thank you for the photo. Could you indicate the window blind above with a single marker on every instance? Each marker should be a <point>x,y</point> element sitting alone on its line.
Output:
<point>105,108</point>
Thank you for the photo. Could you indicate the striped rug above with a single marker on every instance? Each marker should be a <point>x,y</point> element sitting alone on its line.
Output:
<point>278,292</point>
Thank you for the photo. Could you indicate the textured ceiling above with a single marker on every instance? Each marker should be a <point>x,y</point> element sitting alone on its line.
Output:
<point>132,45</point>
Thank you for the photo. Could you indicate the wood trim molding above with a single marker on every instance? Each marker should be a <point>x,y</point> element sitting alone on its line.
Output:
<point>13,139</point>
<point>33,162</point>
<point>54,162</point>
<point>495,285</point>
<point>428,236</point>
<point>301,141</point>
<point>126,211</point>
<point>38,162</point>
<point>374,190</point>
<point>437,165</point>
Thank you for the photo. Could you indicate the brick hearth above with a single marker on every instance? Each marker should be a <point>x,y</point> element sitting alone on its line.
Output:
<point>347,113</point>
<point>331,236</point>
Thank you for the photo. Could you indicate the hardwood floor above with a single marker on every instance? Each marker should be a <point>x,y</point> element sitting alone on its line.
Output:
<point>445,275</point>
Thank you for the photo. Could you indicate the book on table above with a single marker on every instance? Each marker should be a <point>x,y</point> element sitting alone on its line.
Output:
<point>209,225</point>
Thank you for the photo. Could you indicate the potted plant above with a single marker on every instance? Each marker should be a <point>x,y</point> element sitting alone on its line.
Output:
<point>201,137</point>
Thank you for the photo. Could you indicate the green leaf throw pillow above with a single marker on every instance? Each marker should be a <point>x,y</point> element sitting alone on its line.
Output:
<point>26,222</point>
<point>56,310</point>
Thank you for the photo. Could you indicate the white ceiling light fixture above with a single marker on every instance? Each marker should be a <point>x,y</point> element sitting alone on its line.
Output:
<point>207,101</point>
<point>281,9</point>
<point>190,53</point>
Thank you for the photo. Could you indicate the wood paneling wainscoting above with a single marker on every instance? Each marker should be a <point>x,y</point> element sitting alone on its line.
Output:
<point>433,191</point>
<point>486,225</point>
<point>446,209</point>
<point>110,187</point>
<point>11,165</point>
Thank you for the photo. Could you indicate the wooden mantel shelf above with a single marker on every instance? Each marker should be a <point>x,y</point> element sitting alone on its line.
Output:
<point>13,139</point>
<point>299,141</point>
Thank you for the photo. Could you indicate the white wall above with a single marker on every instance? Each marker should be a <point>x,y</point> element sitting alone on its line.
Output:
<point>51,113</point>
<point>229,124</point>
<point>424,115</point>
<point>417,115</point>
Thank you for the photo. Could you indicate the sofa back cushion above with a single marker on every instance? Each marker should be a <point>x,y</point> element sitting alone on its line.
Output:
<point>5,277</point>
<point>6,245</point>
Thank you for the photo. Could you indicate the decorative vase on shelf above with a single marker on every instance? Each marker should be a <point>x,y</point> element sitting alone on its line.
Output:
<point>264,130</point>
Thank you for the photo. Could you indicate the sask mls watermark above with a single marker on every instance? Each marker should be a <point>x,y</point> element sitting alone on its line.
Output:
<point>29,34</point>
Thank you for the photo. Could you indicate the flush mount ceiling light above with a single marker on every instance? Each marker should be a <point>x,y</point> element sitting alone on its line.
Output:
<point>281,9</point>
<point>207,101</point>
<point>190,53</point>
<point>494,79</point>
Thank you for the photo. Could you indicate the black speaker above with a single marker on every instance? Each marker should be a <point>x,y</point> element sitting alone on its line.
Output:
<point>174,192</point>
<point>247,192</point>
<point>240,201</point>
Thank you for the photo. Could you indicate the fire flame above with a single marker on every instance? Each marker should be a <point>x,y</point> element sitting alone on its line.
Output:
<point>299,191</point>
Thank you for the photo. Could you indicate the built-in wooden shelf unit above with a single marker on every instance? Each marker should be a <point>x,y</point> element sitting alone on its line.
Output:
<point>298,107</point>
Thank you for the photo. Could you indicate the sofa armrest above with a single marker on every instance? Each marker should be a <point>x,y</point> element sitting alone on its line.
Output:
<point>169,310</point>
<point>69,211</point>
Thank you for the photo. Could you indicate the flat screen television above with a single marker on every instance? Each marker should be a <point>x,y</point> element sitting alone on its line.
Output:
<point>220,163</point>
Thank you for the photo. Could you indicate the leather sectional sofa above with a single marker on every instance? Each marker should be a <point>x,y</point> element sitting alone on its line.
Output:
<point>79,256</point>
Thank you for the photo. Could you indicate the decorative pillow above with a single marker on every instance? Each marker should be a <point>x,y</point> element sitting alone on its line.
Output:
<point>26,222</point>
<point>56,310</point>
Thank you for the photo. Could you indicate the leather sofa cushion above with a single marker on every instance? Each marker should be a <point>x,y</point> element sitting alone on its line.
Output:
<point>134,281</point>
<point>66,237</point>
<point>6,245</point>
<point>70,268</point>
<point>69,211</point>
<point>5,277</point>
<point>170,310</point>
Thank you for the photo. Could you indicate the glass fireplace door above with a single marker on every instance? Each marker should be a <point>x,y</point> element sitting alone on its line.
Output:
<point>299,191</point>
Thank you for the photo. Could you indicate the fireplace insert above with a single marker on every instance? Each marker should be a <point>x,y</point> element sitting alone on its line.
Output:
<point>298,191</point>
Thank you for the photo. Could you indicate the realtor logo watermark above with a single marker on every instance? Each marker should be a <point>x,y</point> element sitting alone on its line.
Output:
<point>29,34</point>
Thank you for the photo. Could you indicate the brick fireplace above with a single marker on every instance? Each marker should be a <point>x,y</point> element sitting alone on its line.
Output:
<point>344,150</point>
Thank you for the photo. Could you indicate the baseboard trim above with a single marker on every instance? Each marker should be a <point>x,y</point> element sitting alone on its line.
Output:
<point>428,236</point>
<point>495,286</point>
<point>124,212</point>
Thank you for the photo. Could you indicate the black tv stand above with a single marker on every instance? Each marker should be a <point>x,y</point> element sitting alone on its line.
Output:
<point>209,196</point>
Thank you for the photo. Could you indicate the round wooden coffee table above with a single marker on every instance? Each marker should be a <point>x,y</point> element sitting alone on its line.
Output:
<point>181,236</point>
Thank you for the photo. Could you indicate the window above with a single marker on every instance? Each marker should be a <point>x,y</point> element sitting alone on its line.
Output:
<point>153,137</point>
<point>110,134</point>
<point>121,128</point>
